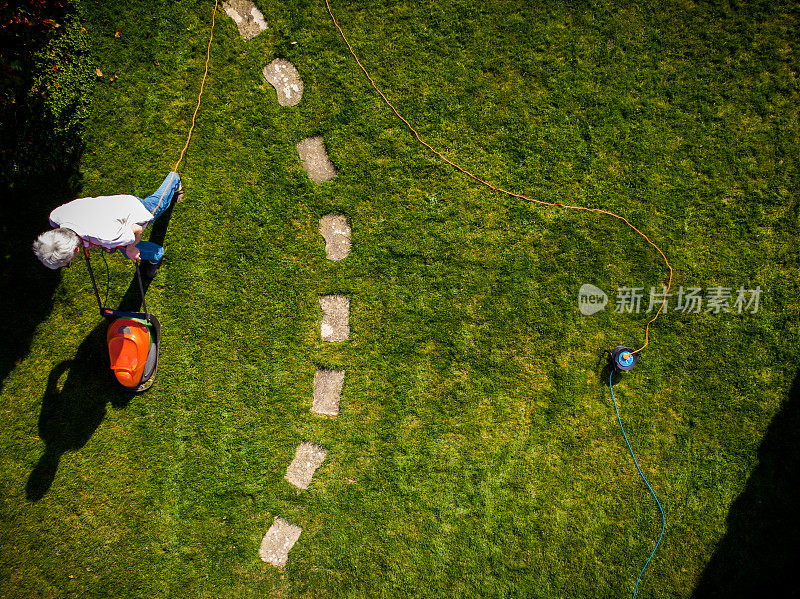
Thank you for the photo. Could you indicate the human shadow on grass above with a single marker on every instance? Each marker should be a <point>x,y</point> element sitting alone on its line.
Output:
<point>759,554</point>
<point>73,407</point>
<point>76,399</point>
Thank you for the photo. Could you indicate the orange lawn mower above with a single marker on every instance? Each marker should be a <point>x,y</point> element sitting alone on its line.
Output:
<point>133,340</point>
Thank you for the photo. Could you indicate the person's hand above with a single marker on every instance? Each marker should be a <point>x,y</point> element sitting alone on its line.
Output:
<point>132,252</point>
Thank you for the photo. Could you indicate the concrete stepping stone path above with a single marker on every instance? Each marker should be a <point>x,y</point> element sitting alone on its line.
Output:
<point>283,76</point>
<point>278,541</point>
<point>327,391</point>
<point>335,318</point>
<point>247,17</point>
<point>335,325</point>
<point>307,458</point>
<point>315,159</point>
<point>336,232</point>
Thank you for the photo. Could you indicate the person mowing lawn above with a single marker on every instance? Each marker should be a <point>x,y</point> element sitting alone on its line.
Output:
<point>111,222</point>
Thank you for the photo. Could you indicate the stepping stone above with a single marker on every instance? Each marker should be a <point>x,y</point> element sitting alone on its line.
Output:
<point>335,317</point>
<point>286,81</point>
<point>336,231</point>
<point>315,159</point>
<point>247,17</point>
<point>327,390</point>
<point>307,458</point>
<point>278,541</point>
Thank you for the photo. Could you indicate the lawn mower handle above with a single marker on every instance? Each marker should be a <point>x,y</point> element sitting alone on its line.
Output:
<point>107,312</point>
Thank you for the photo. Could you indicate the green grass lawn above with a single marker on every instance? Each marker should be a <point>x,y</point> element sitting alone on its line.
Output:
<point>477,451</point>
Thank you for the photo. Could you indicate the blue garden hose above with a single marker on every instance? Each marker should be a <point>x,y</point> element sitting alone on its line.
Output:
<point>663,517</point>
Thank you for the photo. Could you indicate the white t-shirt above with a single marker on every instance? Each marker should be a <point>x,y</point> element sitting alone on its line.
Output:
<point>104,220</point>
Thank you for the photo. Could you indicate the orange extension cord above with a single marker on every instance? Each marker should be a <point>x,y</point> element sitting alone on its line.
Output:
<point>194,116</point>
<point>510,193</point>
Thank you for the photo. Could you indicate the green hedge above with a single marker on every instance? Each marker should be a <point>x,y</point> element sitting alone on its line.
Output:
<point>46,75</point>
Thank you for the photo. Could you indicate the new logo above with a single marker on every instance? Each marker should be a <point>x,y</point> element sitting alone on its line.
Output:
<point>591,299</point>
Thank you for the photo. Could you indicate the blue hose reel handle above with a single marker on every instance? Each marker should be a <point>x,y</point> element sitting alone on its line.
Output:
<point>622,359</point>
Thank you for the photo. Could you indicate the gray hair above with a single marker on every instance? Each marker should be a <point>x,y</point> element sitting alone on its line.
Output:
<point>56,248</point>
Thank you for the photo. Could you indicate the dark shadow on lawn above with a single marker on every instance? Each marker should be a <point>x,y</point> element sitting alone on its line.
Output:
<point>73,407</point>
<point>759,554</point>
<point>28,285</point>
<point>40,149</point>
<point>158,230</point>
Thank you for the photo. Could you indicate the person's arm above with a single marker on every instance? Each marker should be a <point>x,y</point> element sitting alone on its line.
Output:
<point>132,251</point>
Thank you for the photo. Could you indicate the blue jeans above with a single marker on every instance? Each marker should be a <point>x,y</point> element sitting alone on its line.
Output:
<point>155,203</point>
